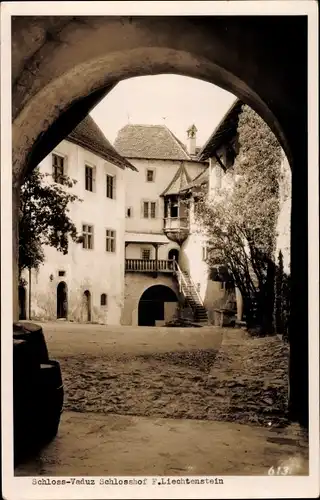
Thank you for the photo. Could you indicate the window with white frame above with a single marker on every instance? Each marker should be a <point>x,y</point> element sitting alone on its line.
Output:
<point>87,236</point>
<point>58,168</point>
<point>150,175</point>
<point>149,209</point>
<point>110,186</point>
<point>110,240</point>
<point>89,178</point>
<point>145,253</point>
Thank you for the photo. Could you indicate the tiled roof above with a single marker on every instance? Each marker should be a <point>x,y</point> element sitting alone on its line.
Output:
<point>88,135</point>
<point>223,132</point>
<point>180,180</point>
<point>200,180</point>
<point>150,142</point>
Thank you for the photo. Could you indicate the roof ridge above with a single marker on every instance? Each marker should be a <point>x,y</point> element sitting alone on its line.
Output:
<point>89,135</point>
<point>143,125</point>
<point>181,169</point>
<point>178,142</point>
<point>236,103</point>
<point>192,183</point>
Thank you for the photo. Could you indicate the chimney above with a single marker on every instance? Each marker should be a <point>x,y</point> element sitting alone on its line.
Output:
<point>192,140</point>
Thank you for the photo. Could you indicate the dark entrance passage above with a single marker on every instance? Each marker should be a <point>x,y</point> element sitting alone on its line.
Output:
<point>87,305</point>
<point>173,254</point>
<point>151,304</point>
<point>62,300</point>
<point>22,303</point>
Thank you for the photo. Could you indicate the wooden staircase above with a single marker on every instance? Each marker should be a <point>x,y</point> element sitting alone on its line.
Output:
<point>191,295</point>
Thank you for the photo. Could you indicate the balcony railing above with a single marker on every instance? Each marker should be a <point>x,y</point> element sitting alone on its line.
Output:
<point>176,223</point>
<point>149,266</point>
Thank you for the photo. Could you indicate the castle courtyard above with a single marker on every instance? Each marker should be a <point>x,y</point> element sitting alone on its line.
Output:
<point>169,401</point>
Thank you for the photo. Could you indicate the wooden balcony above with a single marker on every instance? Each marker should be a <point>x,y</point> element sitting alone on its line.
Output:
<point>176,228</point>
<point>149,266</point>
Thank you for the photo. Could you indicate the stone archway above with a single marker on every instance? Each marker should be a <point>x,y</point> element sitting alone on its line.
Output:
<point>62,300</point>
<point>152,304</point>
<point>72,62</point>
<point>74,58</point>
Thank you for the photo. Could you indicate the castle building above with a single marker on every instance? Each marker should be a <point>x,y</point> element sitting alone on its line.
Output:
<point>87,284</point>
<point>156,222</point>
<point>143,256</point>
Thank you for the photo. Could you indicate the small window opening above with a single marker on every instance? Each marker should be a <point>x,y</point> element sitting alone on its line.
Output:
<point>103,299</point>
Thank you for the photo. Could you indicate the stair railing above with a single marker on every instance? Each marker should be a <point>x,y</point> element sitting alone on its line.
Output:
<point>181,279</point>
<point>196,290</point>
<point>182,282</point>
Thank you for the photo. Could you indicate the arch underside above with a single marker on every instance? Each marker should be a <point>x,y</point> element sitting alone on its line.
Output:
<point>76,57</point>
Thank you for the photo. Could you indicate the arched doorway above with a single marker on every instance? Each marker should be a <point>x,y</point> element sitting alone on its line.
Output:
<point>62,300</point>
<point>87,306</point>
<point>152,304</point>
<point>22,302</point>
<point>173,254</point>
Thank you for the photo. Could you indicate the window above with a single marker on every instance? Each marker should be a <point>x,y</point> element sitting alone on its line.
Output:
<point>58,168</point>
<point>204,253</point>
<point>174,211</point>
<point>145,209</point>
<point>61,273</point>
<point>129,212</point>
<point>145,253</point>
<point>89,178</point>
<point>152,210</point>
<point>149,209</point>
<point>230,156</point>
<point>103,299</point>
<point>110,240</point>
<point>110,186</point>
<point>87,235</point>
<point>150,175</point>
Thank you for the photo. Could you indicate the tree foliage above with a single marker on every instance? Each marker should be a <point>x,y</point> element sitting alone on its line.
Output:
<point>240,222</point>
<point>44,218</point>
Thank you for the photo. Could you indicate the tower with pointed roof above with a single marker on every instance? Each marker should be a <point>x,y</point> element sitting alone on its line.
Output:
<point>176,216</point>
<point>192,140</point>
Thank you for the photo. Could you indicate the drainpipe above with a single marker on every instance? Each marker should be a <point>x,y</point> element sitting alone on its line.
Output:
<point>29,313</point>
<point>156,246</point>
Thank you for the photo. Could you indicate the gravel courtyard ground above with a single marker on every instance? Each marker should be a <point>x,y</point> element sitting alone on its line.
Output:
<point>208,374</point>
<point>167,401</point>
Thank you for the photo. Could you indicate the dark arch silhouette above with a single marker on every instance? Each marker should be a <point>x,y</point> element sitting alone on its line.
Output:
<point>151,304</point>
<point>22,302</point>
<point>62,300</point>
<point>87,305</point>
<point>173,254</point>
<point>206,47</point>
